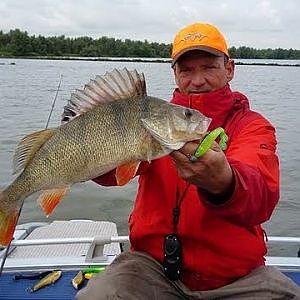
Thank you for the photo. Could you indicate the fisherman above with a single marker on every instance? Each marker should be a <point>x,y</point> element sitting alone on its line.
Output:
<point>195,230</point>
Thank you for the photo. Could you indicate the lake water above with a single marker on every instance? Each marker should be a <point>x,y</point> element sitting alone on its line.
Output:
<point>28,88</point>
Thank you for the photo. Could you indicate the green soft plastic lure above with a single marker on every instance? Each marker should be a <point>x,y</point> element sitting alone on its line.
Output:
<point>208,140</point>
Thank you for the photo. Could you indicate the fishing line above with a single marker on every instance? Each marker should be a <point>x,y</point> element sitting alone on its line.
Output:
<point>49,117</point>
<point>53,102</point>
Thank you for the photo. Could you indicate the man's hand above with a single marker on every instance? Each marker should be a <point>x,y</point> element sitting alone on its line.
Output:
<point>210,172</point>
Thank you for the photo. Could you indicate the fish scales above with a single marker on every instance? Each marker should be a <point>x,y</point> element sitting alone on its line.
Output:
<point>88,150</point>
<point>116,126</point>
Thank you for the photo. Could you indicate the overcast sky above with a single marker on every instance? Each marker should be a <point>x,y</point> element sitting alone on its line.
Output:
<point>259,24</point>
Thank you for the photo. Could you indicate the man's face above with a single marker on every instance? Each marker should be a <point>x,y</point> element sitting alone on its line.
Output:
<point>198,72</point>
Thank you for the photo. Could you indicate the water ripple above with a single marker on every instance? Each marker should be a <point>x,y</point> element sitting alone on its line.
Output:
<point>27,91</point>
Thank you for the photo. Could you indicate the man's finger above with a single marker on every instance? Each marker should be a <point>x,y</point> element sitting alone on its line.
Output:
<point>179,155</point>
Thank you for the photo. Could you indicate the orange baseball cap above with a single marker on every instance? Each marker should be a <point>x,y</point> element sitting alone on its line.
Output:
<point>205,37</point>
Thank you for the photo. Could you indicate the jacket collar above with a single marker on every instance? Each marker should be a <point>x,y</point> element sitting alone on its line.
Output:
<point>216,105</point>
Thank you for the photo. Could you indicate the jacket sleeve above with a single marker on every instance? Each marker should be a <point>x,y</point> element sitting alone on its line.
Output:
<point>107,179</point>
<point>253,159</point>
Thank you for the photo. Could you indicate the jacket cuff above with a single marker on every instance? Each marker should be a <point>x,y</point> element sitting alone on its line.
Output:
<point>223,198</point>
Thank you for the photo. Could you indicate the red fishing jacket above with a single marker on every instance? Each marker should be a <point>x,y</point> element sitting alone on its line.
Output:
<point>224,242</point>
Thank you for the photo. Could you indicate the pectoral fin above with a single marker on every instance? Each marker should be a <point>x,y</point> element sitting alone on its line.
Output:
<point>126,172</point>
<point>50,199</point>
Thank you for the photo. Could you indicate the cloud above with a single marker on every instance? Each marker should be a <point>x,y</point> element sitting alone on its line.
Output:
<point>254,23</point>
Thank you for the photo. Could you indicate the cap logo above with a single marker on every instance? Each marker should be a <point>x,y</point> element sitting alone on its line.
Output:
<point>193,36</point>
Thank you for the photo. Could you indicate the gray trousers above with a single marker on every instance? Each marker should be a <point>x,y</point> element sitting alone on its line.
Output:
<point>138,276</point>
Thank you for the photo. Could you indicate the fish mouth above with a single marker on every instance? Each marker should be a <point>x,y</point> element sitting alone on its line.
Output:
<point>199,128</point>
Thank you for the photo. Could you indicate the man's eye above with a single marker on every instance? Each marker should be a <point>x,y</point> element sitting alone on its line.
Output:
<point>210,67</point>
<point>184,70</point>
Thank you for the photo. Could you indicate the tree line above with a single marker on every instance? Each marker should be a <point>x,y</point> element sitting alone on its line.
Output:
<point>18,43</point>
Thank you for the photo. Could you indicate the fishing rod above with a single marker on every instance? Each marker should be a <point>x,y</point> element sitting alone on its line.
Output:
<point>49,117</point>
<point>54,101</point>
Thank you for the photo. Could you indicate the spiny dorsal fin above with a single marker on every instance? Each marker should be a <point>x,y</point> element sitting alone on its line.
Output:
<point>27,148</point>
<point>114,85</point>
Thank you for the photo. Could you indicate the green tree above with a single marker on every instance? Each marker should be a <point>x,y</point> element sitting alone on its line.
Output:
<point>19,43</point>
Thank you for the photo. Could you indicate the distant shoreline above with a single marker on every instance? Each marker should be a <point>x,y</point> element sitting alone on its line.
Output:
<point>136,59</point>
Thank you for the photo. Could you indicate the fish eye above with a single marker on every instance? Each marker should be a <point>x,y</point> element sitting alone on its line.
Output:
<point>188,113</point>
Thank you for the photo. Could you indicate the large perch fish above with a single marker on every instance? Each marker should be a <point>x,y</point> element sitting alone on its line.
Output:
<point>111,123</point>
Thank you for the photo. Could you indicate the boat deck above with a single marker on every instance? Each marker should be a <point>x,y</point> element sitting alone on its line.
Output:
<point>74,245</point>
<point>11,289</point>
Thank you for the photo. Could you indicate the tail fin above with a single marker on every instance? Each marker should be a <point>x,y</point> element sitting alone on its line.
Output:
<point>8,219</point>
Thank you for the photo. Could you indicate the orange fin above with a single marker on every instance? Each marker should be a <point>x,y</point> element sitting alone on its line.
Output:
<point>126,172</point>
<point>8,221</point>
<point>50,199</point>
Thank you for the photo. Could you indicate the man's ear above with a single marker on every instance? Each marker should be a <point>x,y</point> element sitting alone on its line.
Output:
<point>175,70</point>
<point>230,65</point>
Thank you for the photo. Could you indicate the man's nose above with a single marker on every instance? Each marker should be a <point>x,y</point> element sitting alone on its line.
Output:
<point>198,79</point>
